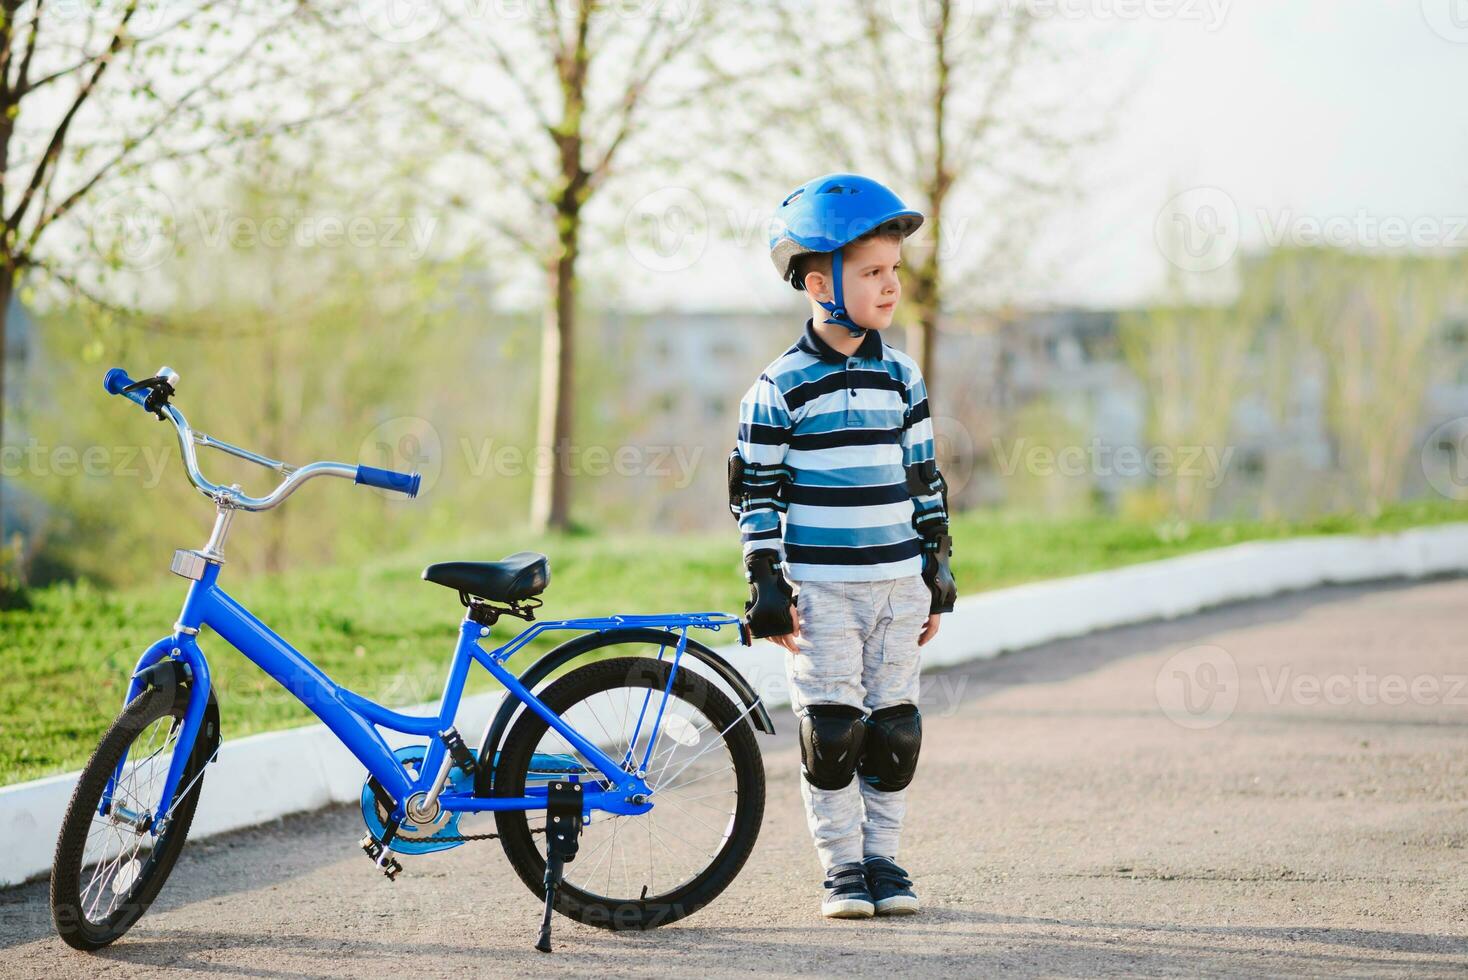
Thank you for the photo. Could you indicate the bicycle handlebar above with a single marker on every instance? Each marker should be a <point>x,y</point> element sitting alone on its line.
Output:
<point>117,380</point>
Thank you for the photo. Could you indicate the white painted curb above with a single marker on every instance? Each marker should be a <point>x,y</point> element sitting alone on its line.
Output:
<point>263,777</point>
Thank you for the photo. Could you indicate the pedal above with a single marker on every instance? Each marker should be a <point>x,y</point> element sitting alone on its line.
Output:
<point>382,857</point>
<point>458,751</point>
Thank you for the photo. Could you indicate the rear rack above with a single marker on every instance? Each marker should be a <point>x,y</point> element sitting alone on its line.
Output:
<point>600,624</point>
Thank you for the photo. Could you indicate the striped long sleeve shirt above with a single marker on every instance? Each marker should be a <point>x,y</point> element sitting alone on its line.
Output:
<point>841,431</point>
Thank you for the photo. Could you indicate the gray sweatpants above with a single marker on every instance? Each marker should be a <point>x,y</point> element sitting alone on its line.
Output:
<point>858,647</point>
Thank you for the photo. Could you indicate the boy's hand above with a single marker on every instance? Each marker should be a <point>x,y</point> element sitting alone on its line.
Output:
<point>930,629</point>
<point>788,640</point>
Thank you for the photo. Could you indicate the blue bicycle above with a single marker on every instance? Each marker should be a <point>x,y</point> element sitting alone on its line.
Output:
<point>634,760</point>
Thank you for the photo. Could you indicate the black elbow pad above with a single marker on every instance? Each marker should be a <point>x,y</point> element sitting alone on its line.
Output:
<point>925,478</point>
<point>736,483</point>
<point>753,486</point>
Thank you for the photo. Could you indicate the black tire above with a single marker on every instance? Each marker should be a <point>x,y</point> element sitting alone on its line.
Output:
<point>644,911</point>
<point>69,885</point>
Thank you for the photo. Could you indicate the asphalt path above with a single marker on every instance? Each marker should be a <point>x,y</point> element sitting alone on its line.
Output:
<point>1272,788</point>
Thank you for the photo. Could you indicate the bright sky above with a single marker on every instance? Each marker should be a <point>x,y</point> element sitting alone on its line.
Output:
<point>1338,117</point>
<point>1275,120</point>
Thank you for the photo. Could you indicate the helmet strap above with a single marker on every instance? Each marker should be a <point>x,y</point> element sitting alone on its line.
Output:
<point>837,308</point>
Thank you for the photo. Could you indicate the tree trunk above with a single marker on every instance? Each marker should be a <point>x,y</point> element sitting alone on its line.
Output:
<point>922,336</point>
<point>7,285</point>
<point>550,501</point>
<point>550,504</point>
<point>273,424</point>
<point>928,291</point>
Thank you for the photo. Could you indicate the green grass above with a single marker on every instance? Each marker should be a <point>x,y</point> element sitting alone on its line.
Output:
<point>381,631</point>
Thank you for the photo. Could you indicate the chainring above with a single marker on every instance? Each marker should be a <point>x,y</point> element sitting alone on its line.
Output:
<point>412,838</point>
<point>443,833</point>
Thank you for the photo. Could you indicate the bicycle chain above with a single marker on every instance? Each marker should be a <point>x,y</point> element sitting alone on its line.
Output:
<point>461,838</point>
<point>465,838</point>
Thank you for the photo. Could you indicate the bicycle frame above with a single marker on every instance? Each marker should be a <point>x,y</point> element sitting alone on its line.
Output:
<point>353,718</point>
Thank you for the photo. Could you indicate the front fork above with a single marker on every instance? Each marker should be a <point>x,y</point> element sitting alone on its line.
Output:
<point>183,648</point>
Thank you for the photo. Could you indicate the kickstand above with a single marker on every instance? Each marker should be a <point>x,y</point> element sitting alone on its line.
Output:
<point>562,837</point>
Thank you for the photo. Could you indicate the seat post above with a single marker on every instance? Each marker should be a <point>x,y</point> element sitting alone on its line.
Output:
<point>487,614</point>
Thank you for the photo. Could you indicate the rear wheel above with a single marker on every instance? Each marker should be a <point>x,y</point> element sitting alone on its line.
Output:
<point>705,775</point>
<point>109,868</point>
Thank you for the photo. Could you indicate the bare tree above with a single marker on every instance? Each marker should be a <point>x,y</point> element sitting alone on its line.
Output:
<point>545,111</point>
<point>1193,361</point>
<point>1191,352</point>
<point>1375,322</point>
<point>98,99</point>
<point>960,106</point>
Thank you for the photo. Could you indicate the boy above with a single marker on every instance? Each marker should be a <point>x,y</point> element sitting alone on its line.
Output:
<point>835,434</point>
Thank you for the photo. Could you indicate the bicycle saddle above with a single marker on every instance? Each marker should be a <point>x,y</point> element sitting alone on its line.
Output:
<point>520,576</point>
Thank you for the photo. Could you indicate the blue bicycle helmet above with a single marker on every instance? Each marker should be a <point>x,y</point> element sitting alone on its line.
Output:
<point>827,213</point>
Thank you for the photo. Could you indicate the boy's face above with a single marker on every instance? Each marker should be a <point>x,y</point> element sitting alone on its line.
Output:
<point>869,282</point>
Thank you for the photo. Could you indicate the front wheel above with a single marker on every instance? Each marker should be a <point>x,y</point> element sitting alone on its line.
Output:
<point>705,775</point>
<point>109,867</point>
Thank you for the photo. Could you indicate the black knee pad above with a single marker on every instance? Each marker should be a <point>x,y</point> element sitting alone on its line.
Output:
<point>890,751</point>
<point>831,737</point>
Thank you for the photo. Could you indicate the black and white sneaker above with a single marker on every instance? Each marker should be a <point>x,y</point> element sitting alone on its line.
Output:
<point>890,887</point>
<point>846,893</point>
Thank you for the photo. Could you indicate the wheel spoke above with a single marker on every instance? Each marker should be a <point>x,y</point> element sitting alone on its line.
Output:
<point>652,880</point>
<point>696,820</point>
<point>679,838</point>
<point>705,796</point>
<point>674,845</point>
<point>700,755</point>
<point>116,857</point>
<point>598,847</point>
<point>696,779</point>
<point>612,863</point>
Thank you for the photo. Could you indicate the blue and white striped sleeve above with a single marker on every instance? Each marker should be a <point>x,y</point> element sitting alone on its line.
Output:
<point>918,447</point>
<point>764,439</point>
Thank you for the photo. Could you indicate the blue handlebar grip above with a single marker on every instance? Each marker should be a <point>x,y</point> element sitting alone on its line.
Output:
<point>406,483</point>
<point>115,381</point>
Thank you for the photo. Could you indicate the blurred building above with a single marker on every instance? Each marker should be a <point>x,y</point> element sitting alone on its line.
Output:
<point>1005,390</point>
